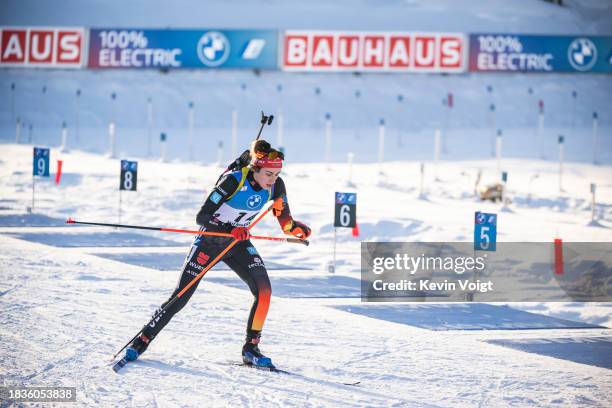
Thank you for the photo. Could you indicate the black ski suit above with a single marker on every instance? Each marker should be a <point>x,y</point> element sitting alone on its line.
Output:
<point>242,258</point>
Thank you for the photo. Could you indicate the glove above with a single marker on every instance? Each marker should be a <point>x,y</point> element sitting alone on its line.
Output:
<point>241,233</point>
<point>299,230</point>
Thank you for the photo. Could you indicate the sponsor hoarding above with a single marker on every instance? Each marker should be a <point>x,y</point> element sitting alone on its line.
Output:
<point>169,49</point>
<point>42,47</point>
<point>370,51</point>
<point>539,53</point>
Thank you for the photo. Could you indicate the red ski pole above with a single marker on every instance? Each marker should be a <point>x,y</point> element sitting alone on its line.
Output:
<point>185,231</point>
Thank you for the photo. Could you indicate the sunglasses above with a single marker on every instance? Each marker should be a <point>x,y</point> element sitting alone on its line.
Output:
<point>270,155</point>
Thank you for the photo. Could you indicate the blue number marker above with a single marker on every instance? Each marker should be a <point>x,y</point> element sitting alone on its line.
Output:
<point>485,231</point>
<point>41,162</point>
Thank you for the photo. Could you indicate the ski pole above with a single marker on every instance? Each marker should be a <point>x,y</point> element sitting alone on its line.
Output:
<point>193,281</point>
<point>184,231</point>
<point>282,239</point>
<point>103,224</point>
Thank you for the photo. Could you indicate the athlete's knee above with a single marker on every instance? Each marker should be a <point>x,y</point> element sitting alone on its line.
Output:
<point>179,302</point>
<point>264,298</point>
<point>261,295</point>
<point>264,293</point>
<point>260,285</point>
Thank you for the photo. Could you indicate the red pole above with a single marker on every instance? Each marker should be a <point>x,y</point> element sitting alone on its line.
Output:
<point>558,256</point>
<point>58,175</point>
<point>185,231</point>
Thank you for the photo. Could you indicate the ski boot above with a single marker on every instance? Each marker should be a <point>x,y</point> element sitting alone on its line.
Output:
<point>137,347</point>
<point>251,355</point>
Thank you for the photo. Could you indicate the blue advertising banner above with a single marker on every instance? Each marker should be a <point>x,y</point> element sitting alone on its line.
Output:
<point>169,49</point>
<point>539,53</point>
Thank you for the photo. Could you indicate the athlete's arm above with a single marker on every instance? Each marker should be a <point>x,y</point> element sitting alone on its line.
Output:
<point>281,211</point>
<point>224,188</point>
<point>280,208</point>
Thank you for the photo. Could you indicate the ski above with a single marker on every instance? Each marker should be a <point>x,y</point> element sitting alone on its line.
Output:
<point>120,364</point>
<point>124,361</point>
<point>130,355</point>
<point>273,369</point>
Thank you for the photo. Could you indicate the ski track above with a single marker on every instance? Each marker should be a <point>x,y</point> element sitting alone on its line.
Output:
<point>65,311</point>
<point>62,330</point>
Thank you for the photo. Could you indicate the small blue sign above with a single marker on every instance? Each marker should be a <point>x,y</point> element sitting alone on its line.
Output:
<point>485,231</point>
<point>128,177</point>
<point>345,210</point>
<point>41,162</point>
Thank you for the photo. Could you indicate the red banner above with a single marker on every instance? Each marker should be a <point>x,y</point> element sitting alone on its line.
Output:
<point>373,51</point>
<point>44,47</point>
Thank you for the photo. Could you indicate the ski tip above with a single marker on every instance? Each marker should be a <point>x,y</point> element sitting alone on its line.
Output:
<point>271,367</point>
<point>119,365</point>
<point>69,220</point>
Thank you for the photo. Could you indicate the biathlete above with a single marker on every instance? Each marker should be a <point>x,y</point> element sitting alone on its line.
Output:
<point>232,205</point>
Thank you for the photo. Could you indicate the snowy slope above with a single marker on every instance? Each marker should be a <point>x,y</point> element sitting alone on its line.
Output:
<point>71,296</point>
<point>67,308</point>
<point>83,308</point>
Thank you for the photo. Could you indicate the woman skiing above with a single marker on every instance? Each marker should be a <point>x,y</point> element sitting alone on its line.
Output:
<point>231,206</point>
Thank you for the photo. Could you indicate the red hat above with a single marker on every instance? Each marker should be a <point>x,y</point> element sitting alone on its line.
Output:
<point>271,160</point>
<point>266,162</point>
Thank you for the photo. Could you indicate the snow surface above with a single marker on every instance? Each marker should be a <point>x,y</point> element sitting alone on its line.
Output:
<point>72,295</point>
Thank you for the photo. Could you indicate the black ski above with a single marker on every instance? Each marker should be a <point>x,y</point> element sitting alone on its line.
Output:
<point>123,362</point>
<point>120,364</point>
<point>280,371</point>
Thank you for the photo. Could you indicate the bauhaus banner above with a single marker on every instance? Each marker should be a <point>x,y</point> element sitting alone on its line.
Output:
<point>373,51</point>
<point>42,47</point>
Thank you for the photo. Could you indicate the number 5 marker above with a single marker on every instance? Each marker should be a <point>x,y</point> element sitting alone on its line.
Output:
<point>485,231</point>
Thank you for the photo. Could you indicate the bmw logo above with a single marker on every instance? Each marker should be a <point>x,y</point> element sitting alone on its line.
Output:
<point>213,48</point>
<point>480,218</point>
<point>254,201</point>
<point>582,54</point>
